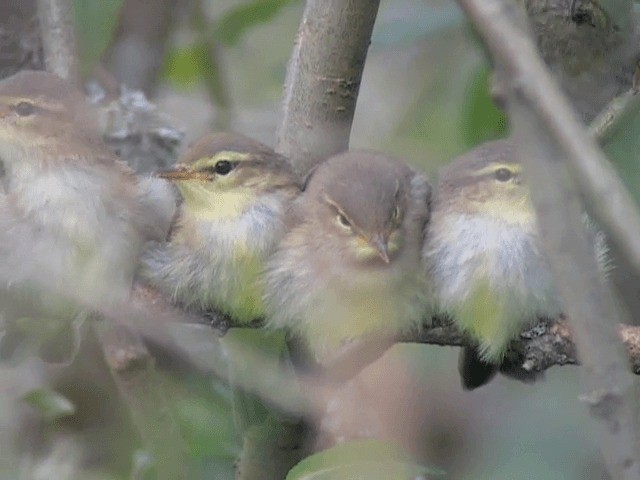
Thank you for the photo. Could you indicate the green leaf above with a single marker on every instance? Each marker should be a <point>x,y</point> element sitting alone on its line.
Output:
<point>481,119</point>
<point>185,66</point>
<point>361,459</point>
<point>50,404</point>
<point>208,427</point>
<point>235,23</point>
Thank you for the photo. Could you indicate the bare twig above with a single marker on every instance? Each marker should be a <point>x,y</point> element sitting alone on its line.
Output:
<point>59,38</point>
<point>323,79</point>
<point>547,130</point>
<point>615,115</point>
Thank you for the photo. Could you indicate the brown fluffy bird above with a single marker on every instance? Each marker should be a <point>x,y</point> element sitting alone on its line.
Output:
<point>349,265</point>
<point>73,219</point>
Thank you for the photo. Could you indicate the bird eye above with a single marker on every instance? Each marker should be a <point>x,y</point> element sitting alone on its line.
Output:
<point>223,167</point>
<point>503,174</point>
<point>24,109</point>
<point>344,221</point>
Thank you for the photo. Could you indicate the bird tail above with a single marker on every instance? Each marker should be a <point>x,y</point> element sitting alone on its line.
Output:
<point>474,372</point>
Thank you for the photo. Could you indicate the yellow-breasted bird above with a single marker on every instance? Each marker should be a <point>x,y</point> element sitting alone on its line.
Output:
<point>235,194</point>
<point>484,257</point>
<point>73,219</point>
<point>349,265</point>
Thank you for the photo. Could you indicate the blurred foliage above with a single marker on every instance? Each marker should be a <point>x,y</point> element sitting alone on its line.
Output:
<point>95,24</point>
<point>186,66</point>
<point>189,64</point>
<point>443,108</point>
<point>50,404</point>
<point>361,459</point>
<point>229,28</point>
<point>481,119</point>
<point>624,150</point>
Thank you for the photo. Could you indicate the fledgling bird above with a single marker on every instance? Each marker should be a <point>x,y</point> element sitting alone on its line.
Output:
<point>235,194</point>
<point>349,265</point>
<point>484,257</point>
<point>73,219</point>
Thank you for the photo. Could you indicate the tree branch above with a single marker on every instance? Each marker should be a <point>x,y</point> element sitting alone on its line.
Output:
<point>547,131</point>
<point>138,47</point>
<point>615,115</point>
<point>59,38</point>
<point>323,79</point>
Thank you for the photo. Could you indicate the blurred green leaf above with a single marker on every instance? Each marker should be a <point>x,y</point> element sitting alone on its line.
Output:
<point>481,119</point>
<point>362,459</point>
<point>271,449</point>
<point>248,409</point>
<point>185,66</point>
<point>208,427</point>
<point>50,404</point>
<point>95,23</point>
<point>233,24</point>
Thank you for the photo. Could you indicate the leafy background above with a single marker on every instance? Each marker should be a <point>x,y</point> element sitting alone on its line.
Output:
<point>424,97</point>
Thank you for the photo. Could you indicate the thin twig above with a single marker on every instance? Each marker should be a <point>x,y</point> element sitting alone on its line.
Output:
<point>614,115</point>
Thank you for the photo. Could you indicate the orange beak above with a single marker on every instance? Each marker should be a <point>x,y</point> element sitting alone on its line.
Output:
<point>177,173</point>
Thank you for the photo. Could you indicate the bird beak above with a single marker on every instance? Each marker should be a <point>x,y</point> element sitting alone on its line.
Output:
<point>177,173</point>
<point>381,244</point>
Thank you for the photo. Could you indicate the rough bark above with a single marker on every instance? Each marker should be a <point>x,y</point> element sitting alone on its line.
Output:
<point>323,79</point>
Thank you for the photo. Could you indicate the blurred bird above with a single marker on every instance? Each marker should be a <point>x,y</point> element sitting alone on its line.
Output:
<point>235,194</point>
<point>484,256</point>
<point>73,219</point>
<point>349,265</point>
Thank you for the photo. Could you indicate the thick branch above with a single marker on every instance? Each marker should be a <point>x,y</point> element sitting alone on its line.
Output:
<point>323,79</point>
<point>59,37</point>
<point>546,131</point>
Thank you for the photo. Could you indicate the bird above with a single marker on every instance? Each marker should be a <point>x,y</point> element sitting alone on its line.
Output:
<point>73,218</point>
<point>348,267</point>
<point>483,254</point>
<point>235,192</point>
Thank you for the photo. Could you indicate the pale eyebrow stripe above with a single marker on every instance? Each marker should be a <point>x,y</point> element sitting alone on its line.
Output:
<point>493,166</point>
<point>39,103</point>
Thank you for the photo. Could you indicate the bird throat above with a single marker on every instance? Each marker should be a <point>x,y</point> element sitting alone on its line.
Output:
<point>206,203</point>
